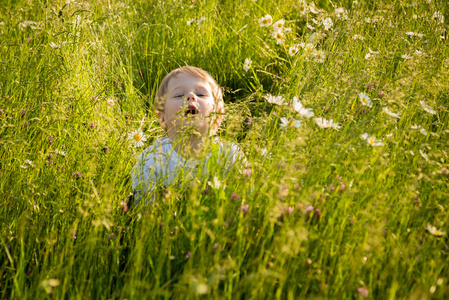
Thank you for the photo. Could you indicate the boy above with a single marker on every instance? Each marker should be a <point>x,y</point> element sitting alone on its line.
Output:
<point>190,107</point>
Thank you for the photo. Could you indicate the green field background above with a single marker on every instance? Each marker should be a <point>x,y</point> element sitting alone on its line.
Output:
<point>324,213</point>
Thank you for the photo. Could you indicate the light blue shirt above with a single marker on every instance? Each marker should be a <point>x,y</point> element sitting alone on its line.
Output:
<point>159,164</point>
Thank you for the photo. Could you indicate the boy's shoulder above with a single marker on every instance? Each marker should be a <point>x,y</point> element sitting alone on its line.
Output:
<point>160,146</point>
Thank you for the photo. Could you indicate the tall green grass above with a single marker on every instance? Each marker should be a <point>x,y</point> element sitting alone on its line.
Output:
<point>322,215</point>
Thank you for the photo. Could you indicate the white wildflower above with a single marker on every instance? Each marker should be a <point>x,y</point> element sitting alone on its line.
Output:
<point>341,13</point>
<point>312,9</point>
<point>378,19</point>
<point>279,37</point>
<point>327,23</point>
<point>323,123</point>
<point>293,50</point>
<point>424,155</point>
<point>110,101</point>
<point>367,55</point>
<point>371,140</point>
<point>27,163</point>
<point>372,51</point>
<point>287,30</point>
<point>406,56</point>
<point>358,37</point>
<point>247,64</point>
<point>420,128</point>
<point>427,108</point>
<point>265,21</point>
<point>365,99</point>
<point>410,33</point>
<point>320,56</point>
<point>279,100</point>
<point>60,152</point>
<point>309,48</point>
<point>285,123</point>
<point>368,20</point>
<point>434,231</point>
<point>310,26</point>
<point>390,113</point>
<point>200,20</point>
<point>279,25</point>
<point>299,108</point>
<point>137,138</point>
<point>302,7</point>
<point>439,17</point>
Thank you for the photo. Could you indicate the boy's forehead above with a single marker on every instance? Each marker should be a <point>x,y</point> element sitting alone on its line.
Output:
<point>186,81</point>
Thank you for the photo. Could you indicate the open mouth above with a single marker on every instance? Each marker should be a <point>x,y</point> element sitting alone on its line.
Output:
<point>191,110</point>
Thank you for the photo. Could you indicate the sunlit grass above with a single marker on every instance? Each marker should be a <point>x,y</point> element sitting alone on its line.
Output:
<point>357,210</point>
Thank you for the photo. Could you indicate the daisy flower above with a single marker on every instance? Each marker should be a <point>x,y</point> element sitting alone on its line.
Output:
<point>327,23</point>
<point>27,162</point>
<point>189,22</point>
<point>378,18</point>
<point>367,55</point>
<point>62,153</point>
<point>310,26</point>
<point>302,7</point>
<point>309,48</point>
<point>320,56</point>
<point>341,13</point>
<point>287,30</point>
<point>365,99</point>
<point>110,101</point>
<point>247,64</point>
<point>410,33</point>
<point>299,108</point>
<point>439,17</point>
<point>279,100</point>
<point>358,37</point>
<point>427,108</point>
<point>371,140</point>
<point>368,20</point>
<point>279,36</point>
<point>265,21</point>
<point>420,128</point>
<point>292,50</point>
<point>313,10</point>
<point>200,20</point>
<point>406,56</point>
<point>432,230</point>
<point>323,123</point>
<point>390,113</point>
<point>137,137</point>
<point>424,155</point>
<point>278,25</point>
<point>285,123</point>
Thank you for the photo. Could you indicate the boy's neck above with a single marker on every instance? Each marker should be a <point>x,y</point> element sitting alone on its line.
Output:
<point>189,147</point>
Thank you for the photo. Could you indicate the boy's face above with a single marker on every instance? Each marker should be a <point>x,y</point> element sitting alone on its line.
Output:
<point>188,104</point>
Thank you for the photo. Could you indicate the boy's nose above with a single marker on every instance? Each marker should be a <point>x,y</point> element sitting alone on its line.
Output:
<point>191,97</point>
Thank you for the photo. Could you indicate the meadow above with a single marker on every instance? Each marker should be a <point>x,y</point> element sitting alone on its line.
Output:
<point>341,108</point>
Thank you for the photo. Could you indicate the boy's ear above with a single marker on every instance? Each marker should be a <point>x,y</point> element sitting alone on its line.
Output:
<point>161,117</point>
<point>217,122</point>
